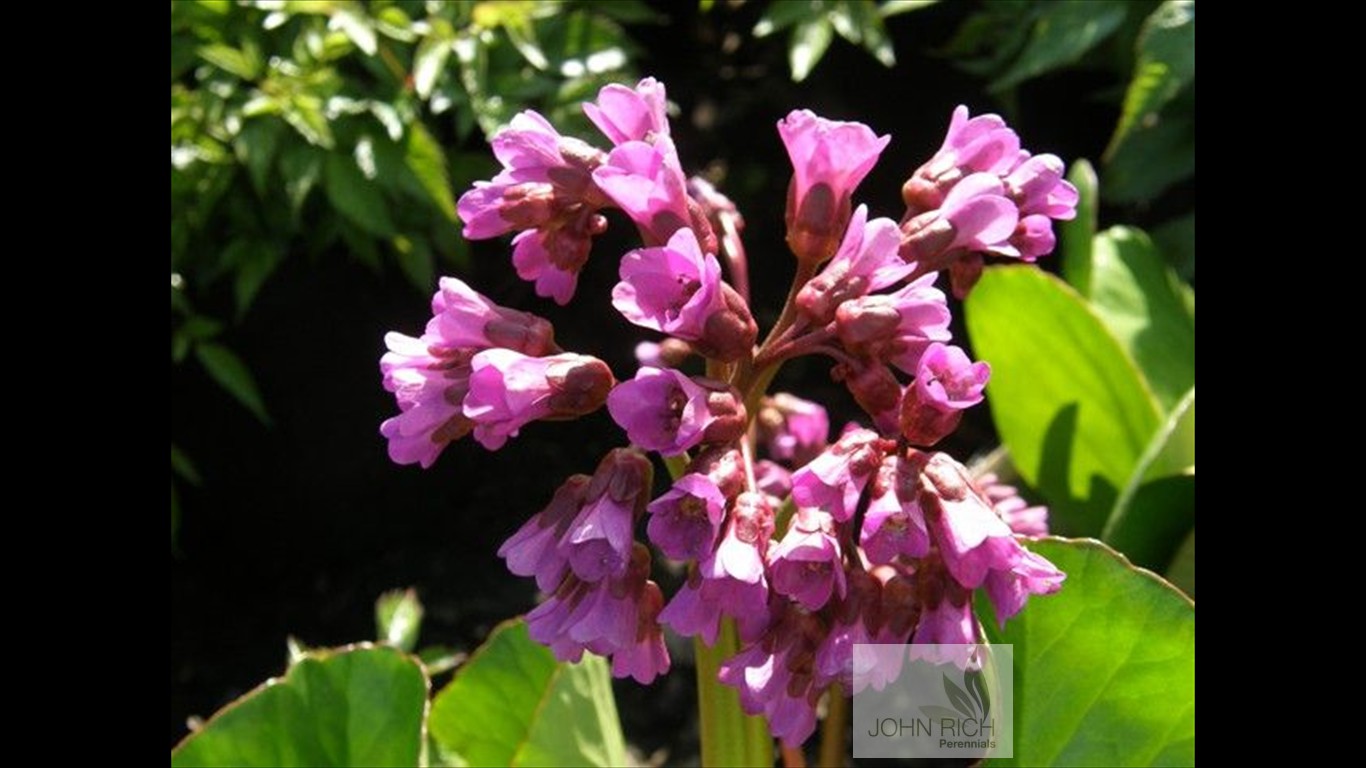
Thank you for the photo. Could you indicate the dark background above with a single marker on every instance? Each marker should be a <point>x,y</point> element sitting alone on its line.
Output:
<point>297,528</point>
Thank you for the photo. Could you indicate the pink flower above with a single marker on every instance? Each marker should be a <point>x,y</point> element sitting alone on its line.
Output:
<point>896,327</point>
<point>868,260</point>
<point>983,144</point>
<point>946,383</point>
<point>894,523</point>
<point>647,657</point>
<point>598,542</point>
<point>646,181</point>
<point>430,376</point>
<point>684,522</point>
<point>794,430</point>
<point>972,539</point>
<point>807,565</point>
<point>1023,519</point>
<point>509,390</point>
<point>829,159</point>
<point>949,622</point>
<point>534,550</point>
<point>546,190</point>
<point>1038,188</point>
<point>630,114</point>
<point>834,480</point>
<point>1030,575</point>
<point>674,289</point>
<point>663,410</point>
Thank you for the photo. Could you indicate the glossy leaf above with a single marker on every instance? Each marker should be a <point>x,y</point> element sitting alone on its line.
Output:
<point>232,374</point>
<point>895,7</point>
<point>1067,401</point>
<point>1138,296</point>
<point>1105,668</point>
<point>513,704</point>
<point>1166,64</point>
<point>1156,154</point>
<point>1062,32</point>
<point>1075,237</point>
<point>355,706</point>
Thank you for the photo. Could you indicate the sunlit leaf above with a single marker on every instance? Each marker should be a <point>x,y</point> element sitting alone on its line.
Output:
<point>1062,32</point>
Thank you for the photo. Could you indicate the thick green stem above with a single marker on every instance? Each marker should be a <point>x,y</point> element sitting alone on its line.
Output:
<point>729,736</point>
<point>831,753</point>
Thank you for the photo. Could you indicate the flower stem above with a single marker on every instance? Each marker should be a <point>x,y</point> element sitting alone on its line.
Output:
<point>831,753</point>
<point>729,736</point>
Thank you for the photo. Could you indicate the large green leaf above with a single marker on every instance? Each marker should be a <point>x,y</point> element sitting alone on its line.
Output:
<point>1105,668</point>
<point>1067,401</point>
<point>1138,296</point>
<point>1156,153</point>
<point>1157,506</point>
<point>359,705</point>
<point>512,703</point>
<point>1062,33</point>
<point>427,161</point>
<point>1166,64</point>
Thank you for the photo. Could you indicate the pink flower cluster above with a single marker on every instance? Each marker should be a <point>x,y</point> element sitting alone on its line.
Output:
<point>886,541</point>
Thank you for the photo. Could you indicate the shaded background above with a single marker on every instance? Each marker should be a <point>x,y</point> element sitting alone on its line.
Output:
<point>298,527</point>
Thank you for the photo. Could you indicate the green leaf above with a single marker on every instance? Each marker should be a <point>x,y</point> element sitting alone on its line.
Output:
<point>255,146</point>
<point>304,111</point>
<point>872,35</point>
<point>244,63</point>
<point>894,7</point>
<point>1182,570</point>
<point>1062,32</point>
<point>181,465</point>
<point>1156,154</point>
<point>1157,505</point>
<point>807,46</point>
<point>1138,296</point>
<point>253,261</point>
<point>353,22</point>
<point>415,259</point>
<point>356,197</point>
<point>427,161</point>
<point>430,59</point>
<point>1076,236</point>
<point>1175,239</point>
<point>356,706</point>
<point>398,618</point>
<point>301,166</point>
<point>1166,64</point>
<point>1067,401</point>
<point>513,704</point>
<point>779,16</point>
<point>232,374</point>
<point>1105,668</point>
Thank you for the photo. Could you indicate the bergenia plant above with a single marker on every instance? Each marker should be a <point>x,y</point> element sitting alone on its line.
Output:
<point>798,544</point>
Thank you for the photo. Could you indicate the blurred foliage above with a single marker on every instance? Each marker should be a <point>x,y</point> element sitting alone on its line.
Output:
<point>814,23</point>
<point>310,127</point>
<point>1149,46</point>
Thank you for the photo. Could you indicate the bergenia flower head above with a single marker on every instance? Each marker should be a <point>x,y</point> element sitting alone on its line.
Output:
<point>886,542</point>
<point>829,160</point>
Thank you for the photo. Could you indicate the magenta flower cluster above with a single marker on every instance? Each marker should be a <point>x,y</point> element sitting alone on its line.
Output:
<point>808,546</point>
